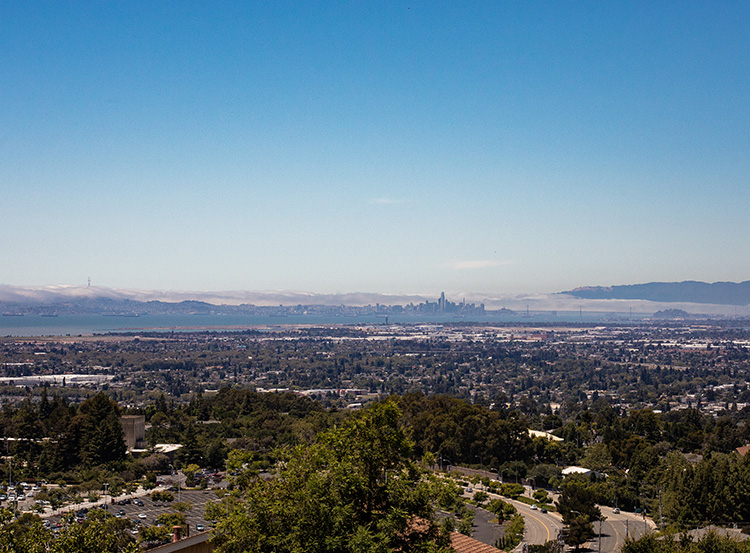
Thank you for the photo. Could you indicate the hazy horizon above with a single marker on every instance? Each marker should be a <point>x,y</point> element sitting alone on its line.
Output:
<point>51,294</point>
<point>401,148</point>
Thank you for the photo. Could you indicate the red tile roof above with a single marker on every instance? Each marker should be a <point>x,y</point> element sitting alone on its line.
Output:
<point>465,544</point>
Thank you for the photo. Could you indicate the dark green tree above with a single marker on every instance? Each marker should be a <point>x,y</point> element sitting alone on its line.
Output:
<point>579,511</point>
<point>101,434</point>
<point>354,490</point>
<point>190,452</point>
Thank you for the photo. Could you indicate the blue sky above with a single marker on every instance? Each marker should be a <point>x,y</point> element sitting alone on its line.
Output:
<point>395,147</point>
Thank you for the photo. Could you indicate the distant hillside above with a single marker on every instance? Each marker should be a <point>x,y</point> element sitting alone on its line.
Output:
<point>52,295</point>
<point>722,293</point>
<point>672,314</point>
<point>115,306</point>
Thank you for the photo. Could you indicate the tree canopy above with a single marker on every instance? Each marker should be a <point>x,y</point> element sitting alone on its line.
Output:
<point>95,535</point>
<point>354,489</point>
<point>579,511</point>
<point>711,542</point>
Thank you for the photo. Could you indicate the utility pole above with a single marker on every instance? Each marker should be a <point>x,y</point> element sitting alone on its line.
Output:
<point>661,516</point>
<point>10,483</point>
<point>106,489</point>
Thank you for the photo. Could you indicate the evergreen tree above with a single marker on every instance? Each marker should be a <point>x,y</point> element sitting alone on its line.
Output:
<point>101,438</point>
<point>190,452</point>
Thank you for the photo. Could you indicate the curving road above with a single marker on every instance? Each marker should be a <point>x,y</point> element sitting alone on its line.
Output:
<point>540,527</point>
<point>616,527</point>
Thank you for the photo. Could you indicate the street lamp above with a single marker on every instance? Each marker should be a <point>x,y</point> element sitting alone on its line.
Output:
<point>174,472</point>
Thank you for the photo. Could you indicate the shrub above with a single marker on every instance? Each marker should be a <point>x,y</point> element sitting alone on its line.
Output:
<point>480,497</point>
<point>512,490</point>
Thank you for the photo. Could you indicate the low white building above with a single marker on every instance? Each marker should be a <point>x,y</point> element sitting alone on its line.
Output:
<point>575,470</point>
<point>546,435</point>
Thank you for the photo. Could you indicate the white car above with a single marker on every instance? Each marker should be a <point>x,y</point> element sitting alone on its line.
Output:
<point>534,507</point>
<point>141,515</point>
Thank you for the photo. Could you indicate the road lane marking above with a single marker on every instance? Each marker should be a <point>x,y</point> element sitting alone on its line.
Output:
<point>540,522</point>
<point>617,535</point>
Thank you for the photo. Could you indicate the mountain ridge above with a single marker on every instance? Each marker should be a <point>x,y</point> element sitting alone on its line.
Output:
<point>693,291</point>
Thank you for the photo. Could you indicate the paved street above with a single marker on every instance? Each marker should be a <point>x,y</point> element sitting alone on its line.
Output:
<point>484,529</point>
<point>616,527</point>
<point>540,527</point>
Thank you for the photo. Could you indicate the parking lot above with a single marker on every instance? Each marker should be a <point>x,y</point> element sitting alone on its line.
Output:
<point>147,514</point>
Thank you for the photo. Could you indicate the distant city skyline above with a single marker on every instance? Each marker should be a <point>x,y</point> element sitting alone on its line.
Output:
<point>396,148</point>
<point>43,299</point>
